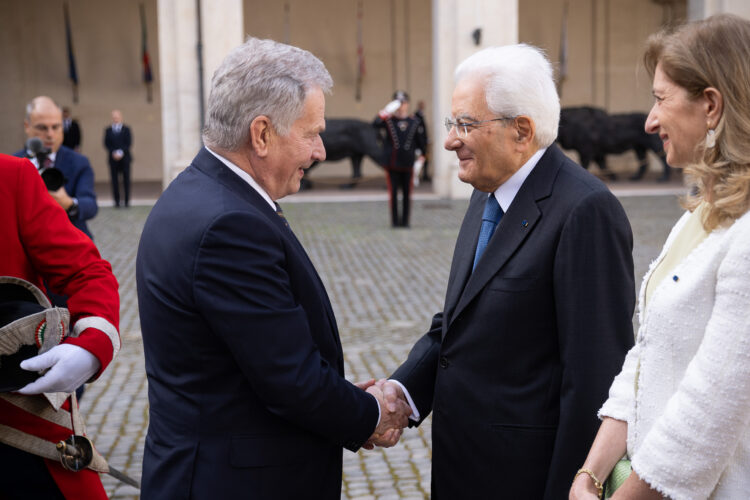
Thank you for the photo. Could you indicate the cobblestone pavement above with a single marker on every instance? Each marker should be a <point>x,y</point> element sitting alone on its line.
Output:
<point>385,285</point>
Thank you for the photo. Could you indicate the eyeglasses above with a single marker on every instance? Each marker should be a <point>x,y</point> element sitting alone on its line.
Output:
<point>462,129</point>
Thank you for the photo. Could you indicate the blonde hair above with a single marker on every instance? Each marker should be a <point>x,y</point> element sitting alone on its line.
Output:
<point>714,52</point>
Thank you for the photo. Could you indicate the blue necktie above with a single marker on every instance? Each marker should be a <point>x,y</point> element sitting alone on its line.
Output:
<point>490,219</point>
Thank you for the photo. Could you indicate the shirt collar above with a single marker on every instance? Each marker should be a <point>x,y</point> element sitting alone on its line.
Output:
<point>52,157</point>
<point>509,189</point>
<point>245,177</point>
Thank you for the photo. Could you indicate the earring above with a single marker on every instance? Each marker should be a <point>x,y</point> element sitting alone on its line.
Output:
<point>710,138</point>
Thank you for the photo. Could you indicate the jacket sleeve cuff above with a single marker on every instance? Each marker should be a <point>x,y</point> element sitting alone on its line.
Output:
<point>97,343</point>
<point>620,403</point>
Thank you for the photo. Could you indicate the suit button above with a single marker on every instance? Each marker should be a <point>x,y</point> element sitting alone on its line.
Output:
<point>444,362</point>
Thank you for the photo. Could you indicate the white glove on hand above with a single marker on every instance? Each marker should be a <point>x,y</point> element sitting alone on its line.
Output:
<point>69,366</point>
<point>392,106</point>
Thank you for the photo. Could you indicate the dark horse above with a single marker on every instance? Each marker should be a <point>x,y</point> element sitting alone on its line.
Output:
<point>354,139</point>
<point>594,134</point>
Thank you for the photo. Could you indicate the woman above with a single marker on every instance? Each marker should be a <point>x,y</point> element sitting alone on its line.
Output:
<point>680,408</point>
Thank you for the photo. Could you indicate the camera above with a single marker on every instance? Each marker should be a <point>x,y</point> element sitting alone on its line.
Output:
<point>53,178</point>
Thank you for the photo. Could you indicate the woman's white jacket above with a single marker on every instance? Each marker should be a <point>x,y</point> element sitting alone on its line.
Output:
<point>688,412</point>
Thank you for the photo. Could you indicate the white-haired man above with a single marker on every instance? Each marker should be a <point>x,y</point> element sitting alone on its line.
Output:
<point>246,382</point>
<point>537,314</point>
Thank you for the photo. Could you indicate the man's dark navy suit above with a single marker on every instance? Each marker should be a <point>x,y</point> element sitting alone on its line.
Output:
<point>79,183</point>
<point>516,366</point>
<point>244,363</point>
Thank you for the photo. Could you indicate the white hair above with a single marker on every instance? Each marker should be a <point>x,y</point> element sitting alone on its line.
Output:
<point>260,77</point>
<point>519,82</point>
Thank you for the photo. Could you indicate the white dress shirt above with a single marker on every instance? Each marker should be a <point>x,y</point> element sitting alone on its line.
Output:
<point>245,177</point>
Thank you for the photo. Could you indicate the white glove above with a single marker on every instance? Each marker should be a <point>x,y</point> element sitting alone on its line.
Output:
<point>392,106</point>
<point>418,164</point>
<point>69,366</point>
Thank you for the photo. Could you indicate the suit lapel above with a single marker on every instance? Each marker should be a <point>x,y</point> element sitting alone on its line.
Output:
<point>518,222</point>
<point>463,254</point>
<point>211,166</point>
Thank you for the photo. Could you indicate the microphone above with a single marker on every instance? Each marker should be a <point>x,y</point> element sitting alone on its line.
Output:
<point>53,178</point>
<point>35,146</point>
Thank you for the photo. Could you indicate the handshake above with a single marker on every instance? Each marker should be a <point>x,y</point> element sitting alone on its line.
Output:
<point>394,412</point>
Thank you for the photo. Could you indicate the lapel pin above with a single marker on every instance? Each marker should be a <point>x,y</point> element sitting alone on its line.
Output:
<point>525,223</point>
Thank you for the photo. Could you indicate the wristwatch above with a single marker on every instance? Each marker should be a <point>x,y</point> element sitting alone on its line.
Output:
<point>73,209</point>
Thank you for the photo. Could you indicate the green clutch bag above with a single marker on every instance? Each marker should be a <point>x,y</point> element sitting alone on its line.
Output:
<point>618,476</point>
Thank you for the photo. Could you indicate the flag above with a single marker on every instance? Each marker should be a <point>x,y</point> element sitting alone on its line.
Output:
<point>72,73</point>
<point>360,53</point>
<point>148,77</point>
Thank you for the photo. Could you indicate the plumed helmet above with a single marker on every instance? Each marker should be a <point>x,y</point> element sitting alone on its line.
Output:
<point>29,325</point>
<point>400,95</point>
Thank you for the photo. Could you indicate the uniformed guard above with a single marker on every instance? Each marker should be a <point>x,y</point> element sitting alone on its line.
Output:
<point>406,141</point>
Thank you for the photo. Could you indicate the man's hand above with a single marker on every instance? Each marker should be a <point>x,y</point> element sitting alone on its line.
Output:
<point>117,154</point>
<point>364,385</point>
<point>62,197</point>
<point>392,394</point>
<point>393,418</point>
<point>69,367</point>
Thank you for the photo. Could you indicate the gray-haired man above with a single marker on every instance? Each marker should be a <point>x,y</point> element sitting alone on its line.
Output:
<point>245,368</point>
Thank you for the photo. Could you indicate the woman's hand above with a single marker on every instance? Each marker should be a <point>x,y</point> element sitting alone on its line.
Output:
<point>609,446</point>
<point>583,489</point>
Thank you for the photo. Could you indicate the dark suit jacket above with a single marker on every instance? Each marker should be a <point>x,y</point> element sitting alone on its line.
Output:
<point>516,366</point>
<point>79,183</point>
<point>123,141</point>
<point>72,136</point>
<point>245,368</point>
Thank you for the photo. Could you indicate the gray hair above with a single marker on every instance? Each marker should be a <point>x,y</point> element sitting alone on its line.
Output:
<point>260,77</point>
<point>519,82</point>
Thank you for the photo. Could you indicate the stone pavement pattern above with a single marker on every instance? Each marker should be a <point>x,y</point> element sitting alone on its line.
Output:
<point>384,284</point>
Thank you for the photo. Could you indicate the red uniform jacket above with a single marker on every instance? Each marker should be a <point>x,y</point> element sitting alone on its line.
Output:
<point>40,244</point>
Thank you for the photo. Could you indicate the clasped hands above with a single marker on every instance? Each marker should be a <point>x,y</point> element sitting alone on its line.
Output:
<point>394,412</point>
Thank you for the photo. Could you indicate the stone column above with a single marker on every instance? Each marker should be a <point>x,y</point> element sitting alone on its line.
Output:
<point>221,27</point>
<point>701,9</point>
<point>453,24</point>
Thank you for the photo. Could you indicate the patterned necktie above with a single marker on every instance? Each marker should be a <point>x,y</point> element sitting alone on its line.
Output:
<point>280,213</point>
<point>490,219</point>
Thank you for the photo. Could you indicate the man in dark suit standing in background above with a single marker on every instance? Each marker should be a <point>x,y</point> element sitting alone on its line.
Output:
<point>117,140</point>
<point>44,120</point>
<point>537,315</point>
<point>71,131</point>
<point>245,367</point>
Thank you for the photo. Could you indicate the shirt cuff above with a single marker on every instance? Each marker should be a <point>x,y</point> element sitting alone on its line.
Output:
<point>414,411</point>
